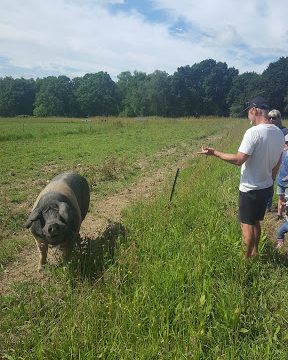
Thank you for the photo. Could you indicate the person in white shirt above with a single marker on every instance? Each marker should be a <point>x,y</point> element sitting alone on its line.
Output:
<point>259,156</point>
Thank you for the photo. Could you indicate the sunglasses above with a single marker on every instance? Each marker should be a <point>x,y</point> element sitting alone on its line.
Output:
<point>273,118</point>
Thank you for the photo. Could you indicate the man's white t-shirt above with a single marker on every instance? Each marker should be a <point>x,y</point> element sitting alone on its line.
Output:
<point>264,144</point>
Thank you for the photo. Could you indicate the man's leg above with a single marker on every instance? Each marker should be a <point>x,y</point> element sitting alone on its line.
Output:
<point>251,237</point>
<point>257,234</point>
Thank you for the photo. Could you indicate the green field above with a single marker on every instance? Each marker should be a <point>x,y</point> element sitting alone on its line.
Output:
<point>176,286</point>
<point>105,150</point>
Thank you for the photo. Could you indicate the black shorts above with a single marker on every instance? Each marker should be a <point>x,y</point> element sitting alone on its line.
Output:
<point>252,205</point>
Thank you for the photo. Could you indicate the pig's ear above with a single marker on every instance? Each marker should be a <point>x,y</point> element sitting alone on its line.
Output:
<point>64,211</point>
<point>35,214</point>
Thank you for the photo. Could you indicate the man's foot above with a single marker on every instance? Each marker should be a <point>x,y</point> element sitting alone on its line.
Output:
<point>279,217</point>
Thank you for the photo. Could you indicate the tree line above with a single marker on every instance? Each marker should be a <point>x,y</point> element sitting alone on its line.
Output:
<point>205,88</point>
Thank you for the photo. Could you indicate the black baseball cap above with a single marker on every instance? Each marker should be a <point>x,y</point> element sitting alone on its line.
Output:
<point>257,102</point>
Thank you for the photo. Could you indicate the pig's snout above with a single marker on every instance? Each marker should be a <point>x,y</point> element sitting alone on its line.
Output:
<point>53,229</point>
<point>54,233</point>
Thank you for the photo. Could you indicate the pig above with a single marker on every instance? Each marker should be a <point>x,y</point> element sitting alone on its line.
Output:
<point>57,214</point>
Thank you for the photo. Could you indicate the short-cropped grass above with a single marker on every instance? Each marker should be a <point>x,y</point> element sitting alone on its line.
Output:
<point>175,285</point>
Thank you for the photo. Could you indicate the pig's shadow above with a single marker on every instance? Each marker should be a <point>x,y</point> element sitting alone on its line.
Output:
<point>95,254</point>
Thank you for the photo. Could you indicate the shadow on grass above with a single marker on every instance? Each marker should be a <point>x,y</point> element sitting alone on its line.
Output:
<point>95,254</point>
<point>273,256</point>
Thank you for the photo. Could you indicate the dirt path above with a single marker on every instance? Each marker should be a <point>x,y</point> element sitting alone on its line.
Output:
<point>108,210</point>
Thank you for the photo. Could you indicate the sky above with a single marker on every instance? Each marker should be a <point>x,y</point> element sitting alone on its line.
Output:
<point>39,38</point>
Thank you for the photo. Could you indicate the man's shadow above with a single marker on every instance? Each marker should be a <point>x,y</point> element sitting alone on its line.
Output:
<point>273,256</point>
<point>94,255</point>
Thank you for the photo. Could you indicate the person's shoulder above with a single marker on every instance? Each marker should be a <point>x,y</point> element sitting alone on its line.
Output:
<point>249,133</point>
<point>258,129</point>
<point>276,129</point>
<point>252,134</point>
<point>251,130</point>
<point>282,132</point>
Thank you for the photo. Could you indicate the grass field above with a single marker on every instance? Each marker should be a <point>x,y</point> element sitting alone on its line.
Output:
<point>176,286</point>
<point>105,150</point>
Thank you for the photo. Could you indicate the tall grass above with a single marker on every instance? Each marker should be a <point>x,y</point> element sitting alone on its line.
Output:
<point>177,286</point>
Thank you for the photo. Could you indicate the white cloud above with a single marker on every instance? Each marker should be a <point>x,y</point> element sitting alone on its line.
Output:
<point>260,24</point>
<point>73,37</point>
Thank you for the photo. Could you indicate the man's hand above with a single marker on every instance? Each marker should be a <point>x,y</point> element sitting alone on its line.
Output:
<point>235,159</point>
<point>206,151</point>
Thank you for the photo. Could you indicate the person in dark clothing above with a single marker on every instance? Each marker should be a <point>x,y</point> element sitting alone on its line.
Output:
<point>275,118</point>
<point>282,181</point>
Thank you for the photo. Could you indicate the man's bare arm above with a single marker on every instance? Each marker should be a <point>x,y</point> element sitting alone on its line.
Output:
<point>236,159</point>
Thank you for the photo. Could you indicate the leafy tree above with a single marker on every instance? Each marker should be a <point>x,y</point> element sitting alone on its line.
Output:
<point>122,86</point>
<point>275,84</point>
<point>54,97</point>
<point>135,101</point>
<point>244,87</point>
<point>16,96</point>
<point>202,88</point>
<point>205,88</point>
<point>158,89</point>
<point>96,94</point>
<point>145,95</point>
<point>216,84</point>
<point>185,93</point>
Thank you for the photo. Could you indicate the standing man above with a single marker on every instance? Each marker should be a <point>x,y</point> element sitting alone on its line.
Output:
<point>259,156</point>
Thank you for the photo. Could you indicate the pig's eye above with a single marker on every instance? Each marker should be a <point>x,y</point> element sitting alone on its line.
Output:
<point>42,221</point>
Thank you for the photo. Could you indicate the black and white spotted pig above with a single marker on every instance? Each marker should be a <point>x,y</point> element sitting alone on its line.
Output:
<point>57,214</point>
